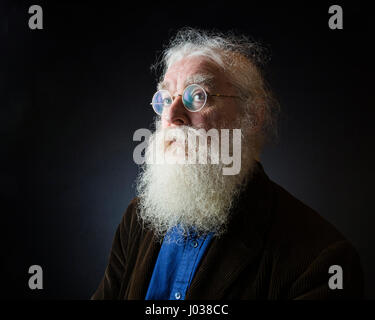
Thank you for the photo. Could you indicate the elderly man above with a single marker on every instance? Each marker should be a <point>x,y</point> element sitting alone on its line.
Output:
<point>193,232</point>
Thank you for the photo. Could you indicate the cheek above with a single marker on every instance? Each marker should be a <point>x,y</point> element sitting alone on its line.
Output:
<point>203,119</point>
<point>164,122</point>
<point>227,114</point>
<point>216,118</point>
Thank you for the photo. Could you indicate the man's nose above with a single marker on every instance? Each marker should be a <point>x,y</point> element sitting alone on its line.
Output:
<point>176,114</point>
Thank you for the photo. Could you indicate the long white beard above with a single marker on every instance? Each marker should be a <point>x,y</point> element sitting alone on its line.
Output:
<point>194,196</point>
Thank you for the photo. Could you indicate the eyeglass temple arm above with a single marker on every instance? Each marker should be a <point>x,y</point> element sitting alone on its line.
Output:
<point>224,96</point>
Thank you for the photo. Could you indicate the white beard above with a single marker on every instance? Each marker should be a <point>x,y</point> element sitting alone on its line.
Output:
<point>194,196</point>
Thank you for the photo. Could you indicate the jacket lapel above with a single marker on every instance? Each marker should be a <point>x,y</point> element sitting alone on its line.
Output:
<point>223,264</point>
<point>143,268</point>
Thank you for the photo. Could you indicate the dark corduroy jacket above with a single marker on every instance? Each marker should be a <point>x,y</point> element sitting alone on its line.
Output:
<point>275,248</point>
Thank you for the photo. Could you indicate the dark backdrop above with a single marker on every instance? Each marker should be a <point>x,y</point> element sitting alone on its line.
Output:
<point>73,94</point>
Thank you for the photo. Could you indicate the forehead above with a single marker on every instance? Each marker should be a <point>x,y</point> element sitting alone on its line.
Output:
<point>192,70</point>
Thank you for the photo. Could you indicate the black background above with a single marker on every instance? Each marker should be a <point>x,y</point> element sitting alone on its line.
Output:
<point>73,94</point>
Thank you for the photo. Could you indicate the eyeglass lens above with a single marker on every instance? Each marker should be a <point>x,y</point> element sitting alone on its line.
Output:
<point>194,99</point>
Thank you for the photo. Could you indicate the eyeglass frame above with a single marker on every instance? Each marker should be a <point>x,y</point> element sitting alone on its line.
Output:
<point>180,95</point>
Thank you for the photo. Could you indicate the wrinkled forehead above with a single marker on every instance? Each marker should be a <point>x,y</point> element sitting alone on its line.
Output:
<point>197,70</point>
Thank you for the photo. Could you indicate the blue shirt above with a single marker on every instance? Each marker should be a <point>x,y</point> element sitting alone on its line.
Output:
<point>176,264</point>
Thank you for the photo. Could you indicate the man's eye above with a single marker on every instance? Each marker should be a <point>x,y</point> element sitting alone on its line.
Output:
<point>167,101</point>
<point>198,97</point>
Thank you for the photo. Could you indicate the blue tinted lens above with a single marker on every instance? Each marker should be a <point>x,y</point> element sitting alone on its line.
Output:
<point>161,99</point>
<point>194,97</point>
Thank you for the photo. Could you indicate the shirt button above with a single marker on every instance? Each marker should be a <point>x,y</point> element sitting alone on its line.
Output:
<point>177,295</point>
<point>194,243</point>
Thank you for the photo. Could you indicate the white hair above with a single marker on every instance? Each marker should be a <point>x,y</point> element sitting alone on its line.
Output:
<point>190,196</point>
<point>242,60</point>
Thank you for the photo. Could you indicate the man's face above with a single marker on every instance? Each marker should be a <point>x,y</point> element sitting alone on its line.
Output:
<point>172,194</point>
<point>218,112</point>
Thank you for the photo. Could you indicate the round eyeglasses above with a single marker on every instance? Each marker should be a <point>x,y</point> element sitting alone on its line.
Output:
<point>194,98</point>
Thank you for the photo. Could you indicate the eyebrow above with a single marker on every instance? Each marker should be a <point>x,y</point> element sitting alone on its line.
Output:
<point>206,80</point>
